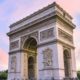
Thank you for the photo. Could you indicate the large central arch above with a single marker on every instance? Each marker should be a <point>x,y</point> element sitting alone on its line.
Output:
<point>30,46</point>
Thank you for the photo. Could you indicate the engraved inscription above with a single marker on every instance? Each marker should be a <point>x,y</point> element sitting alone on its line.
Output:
<point>46,34</point>
<point>47,58</point>
<point>64,35</point>
<point>14,44</point>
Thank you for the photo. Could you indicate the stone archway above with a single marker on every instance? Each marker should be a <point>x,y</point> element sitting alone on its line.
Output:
<point>49,33</point>
<point>30,46</point>
<point>67,63</point>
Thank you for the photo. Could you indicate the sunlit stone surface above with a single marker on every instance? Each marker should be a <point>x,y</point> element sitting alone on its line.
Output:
<point>41,46</point>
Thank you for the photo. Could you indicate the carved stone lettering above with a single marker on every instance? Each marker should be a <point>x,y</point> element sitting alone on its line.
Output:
<point>46,34</point>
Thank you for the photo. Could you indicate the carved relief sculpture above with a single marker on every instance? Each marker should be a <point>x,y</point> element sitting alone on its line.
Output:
<point>13,63</point>
<point>14,44</point>
<point>47,58</point>
<point>46,34</point>
<point>65,35</point>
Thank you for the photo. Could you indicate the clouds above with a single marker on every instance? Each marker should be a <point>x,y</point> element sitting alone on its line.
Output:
<point>25,8</point>
<point>3,59</point>
<point>77,46</point>
<point>16,10</point>
<point>4,38</point>
<point>76,37</point>
<point>72,6</point>
<point>4,42</point>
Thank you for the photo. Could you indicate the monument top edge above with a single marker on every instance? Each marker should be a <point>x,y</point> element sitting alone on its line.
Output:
<point>54,4</point>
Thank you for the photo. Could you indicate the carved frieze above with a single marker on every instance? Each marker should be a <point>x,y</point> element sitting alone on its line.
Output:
<point>31,28</point>
<point>65,35</point>
<point>46,34</point>
<point>14,45</point>
<point>47,57</point>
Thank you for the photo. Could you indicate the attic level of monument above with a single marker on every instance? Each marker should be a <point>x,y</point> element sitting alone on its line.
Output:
<point>53,10</point>
<point>55,5</point>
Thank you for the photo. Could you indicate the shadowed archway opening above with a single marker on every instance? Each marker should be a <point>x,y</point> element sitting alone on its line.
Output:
<point>67,63</point>
<point>30,44</point>
<point>31,68</point>
<point>31,47</point>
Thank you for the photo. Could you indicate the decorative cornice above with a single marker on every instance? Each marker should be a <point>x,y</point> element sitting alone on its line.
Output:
<point>32,28</point>
<point>51,69</point>
<point>16,51</point>
<point>55,15</point>
<point>26,26</point>
<point>54,4</point>
<point>62,18</point>
<point>55,41</point>
<point>20,50</point>
<point>43,44</point>
<point>69,45</point>
<point>65,36</point>
<point>55,69</point>
<point>13,72</point>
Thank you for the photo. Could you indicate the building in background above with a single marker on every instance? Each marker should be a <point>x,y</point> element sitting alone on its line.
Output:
<point>41,46</point>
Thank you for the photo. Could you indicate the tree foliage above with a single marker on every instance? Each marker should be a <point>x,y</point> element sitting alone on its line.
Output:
<point>78,75</point>
<point>3,75</point>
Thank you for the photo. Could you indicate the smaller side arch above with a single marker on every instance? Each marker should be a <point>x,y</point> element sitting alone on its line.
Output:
<point>67,63</point>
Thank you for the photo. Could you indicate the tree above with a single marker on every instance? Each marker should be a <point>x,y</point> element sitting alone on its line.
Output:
<point>78,75</point>
<point>3,75</point>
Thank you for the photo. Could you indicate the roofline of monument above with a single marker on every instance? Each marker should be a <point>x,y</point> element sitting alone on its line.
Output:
<point>55,14</point>
<point>39,11</point>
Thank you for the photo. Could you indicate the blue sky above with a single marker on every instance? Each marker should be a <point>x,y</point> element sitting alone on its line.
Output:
<point>12,10</point>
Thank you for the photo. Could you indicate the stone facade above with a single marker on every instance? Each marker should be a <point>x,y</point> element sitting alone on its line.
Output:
<point>39,43</point>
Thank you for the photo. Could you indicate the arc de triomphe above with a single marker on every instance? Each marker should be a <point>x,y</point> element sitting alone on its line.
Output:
<point>41,46</point>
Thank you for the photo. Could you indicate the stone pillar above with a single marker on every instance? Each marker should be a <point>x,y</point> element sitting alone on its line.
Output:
<point>73,65</point>
<point>48,70</point>
<point>60,61</point>
<point>24,65</point>
<point>14,69</point>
